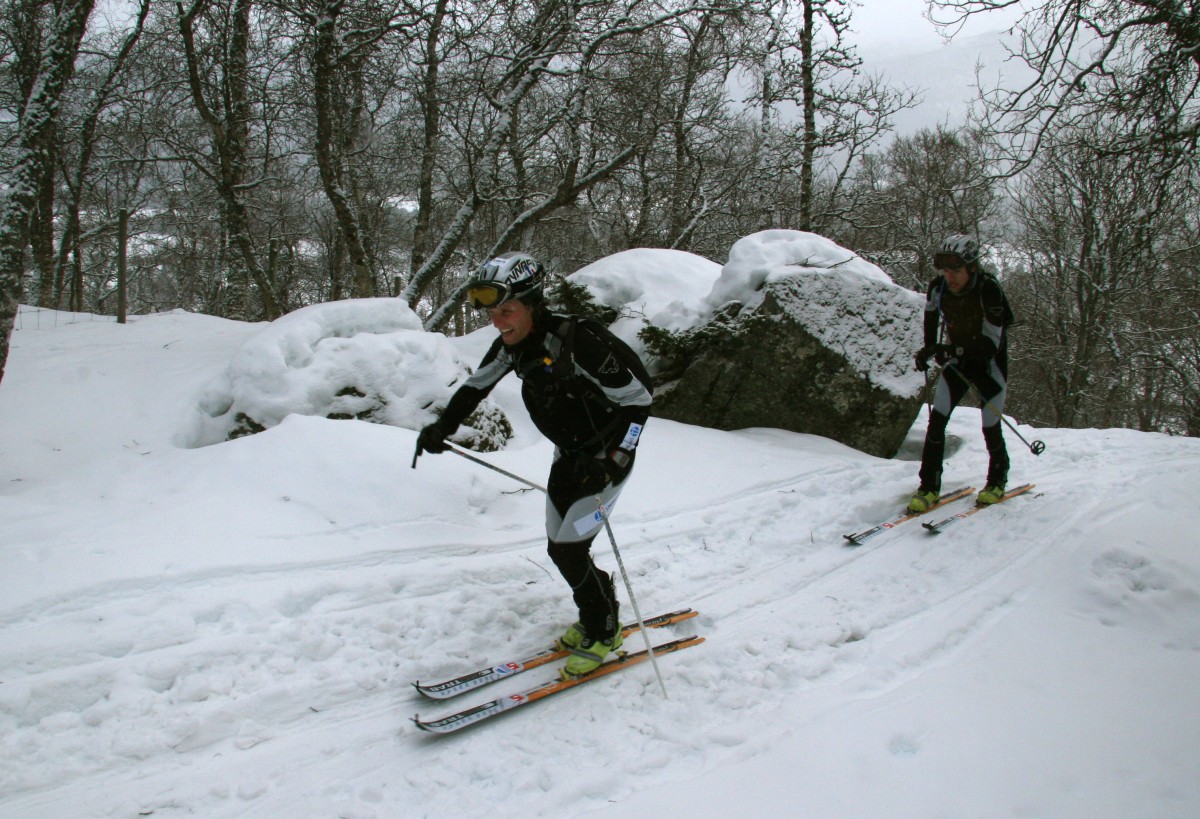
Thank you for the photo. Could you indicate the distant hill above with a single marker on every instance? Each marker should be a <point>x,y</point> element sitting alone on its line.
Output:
<point>945,76</point>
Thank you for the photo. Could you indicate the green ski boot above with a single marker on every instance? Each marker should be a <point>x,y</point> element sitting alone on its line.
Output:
<point>992,493</point>
<point>573,637</point>
<point>923,500</point>
<point>588,655</point>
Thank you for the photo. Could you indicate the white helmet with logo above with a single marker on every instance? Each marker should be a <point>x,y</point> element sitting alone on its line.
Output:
<point>508,276</point>
<point>957,251</point>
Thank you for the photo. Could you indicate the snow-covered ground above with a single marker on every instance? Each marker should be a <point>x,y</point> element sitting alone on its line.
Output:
<point>231,630</point>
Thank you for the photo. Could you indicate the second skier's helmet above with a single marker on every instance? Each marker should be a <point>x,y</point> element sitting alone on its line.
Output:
<point>508,276</point>
<point>957,251</point>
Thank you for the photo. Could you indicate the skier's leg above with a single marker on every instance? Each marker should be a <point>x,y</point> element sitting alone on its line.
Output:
<point>946,397</point>
<point>573,519</point>
<point>994,389</point>
<point>591,587</point>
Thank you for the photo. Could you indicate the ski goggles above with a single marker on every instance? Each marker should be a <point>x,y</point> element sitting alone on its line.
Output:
<point>486,295</point>
<point>947,261</point>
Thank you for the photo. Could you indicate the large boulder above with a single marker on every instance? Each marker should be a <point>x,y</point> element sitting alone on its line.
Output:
<point>803,336</point>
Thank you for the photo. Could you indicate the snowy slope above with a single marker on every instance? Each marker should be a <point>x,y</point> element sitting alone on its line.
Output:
<point>230,631</point>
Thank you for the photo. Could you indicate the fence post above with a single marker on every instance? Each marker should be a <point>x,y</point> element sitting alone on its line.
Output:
<point>122,284</point>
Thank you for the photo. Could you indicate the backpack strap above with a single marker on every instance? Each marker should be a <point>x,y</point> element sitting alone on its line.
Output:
<point>1007,317</point>
<point>563,365</point>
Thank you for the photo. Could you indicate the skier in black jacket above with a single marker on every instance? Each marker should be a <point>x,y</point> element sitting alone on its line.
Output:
<point>970,306</point>
<point>587,392</point>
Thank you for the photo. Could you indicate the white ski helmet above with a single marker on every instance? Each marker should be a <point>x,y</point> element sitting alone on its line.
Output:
<point>508,276</point>
<point>957,251</point>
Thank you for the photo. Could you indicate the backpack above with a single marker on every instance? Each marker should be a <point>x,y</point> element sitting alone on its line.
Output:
<point>1009,318</point>
<point>564,364</point>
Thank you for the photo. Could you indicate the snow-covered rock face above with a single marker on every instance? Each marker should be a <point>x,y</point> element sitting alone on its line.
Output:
<point>360,358</point>
<point>765,368</point>
<point>795,332</point>
<point>847,303</point>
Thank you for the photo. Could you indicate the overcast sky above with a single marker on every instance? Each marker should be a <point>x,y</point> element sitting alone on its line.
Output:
<point>898,26</point>
<point>896,41</point>
<point>883,22</point>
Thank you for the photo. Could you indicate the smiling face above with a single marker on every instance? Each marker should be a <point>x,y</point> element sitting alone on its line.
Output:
<point>514,320</point>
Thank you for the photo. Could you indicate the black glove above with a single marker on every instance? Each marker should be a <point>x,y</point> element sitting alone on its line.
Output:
<point>432,439</point>
<point>944,352</point>
<point>594,473</point>
<point>922,357</point>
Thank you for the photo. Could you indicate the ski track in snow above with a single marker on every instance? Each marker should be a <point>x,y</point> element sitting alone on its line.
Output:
<point>287,682</point>
<point>327,648</point>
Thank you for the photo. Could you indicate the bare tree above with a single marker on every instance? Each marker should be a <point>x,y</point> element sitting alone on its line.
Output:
<point>669,87</point>
<point>557,45</point>
<point>545,31</point>
<point>429,99</point>
<point>923,187</point>
<point>1094,232</point>
<point>1103,140</point>
<point>1089,57</point>
<point>1172,361</point>
<point>35,130</point>
<point>104,75</point>
<point>348,50</point>
<point>223,104</point>
<point>818,113</point>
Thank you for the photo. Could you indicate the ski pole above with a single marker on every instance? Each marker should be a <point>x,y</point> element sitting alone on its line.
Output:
<point>637,612</point>
<point>927,397</point>
<point>452,448</point>
<point>1037,447</point>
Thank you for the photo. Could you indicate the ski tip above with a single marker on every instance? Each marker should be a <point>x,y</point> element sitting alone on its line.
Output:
<point>852,540</point>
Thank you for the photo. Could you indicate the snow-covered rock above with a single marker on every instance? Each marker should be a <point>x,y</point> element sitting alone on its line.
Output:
<point>801,334</point>
<point>368,359</point>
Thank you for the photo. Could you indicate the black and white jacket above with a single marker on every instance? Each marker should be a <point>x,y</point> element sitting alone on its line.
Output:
<point>973,320</point>
<point>585,389</point>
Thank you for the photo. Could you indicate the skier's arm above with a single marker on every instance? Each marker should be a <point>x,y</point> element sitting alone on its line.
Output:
<point>494,366</point>
<point>609,363</point>
<point>932,315</point>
